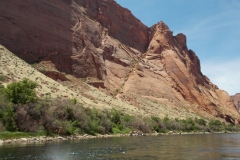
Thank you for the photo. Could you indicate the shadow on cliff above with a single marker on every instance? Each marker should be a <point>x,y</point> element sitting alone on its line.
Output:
<point>33,29</point>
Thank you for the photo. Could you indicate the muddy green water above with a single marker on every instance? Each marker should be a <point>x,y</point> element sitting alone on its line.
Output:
<point>193,147</point>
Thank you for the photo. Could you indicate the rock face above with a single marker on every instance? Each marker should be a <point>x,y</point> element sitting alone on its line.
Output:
<point>100,39</point>
<point>56,75</point>
<point>236,100</point>
<point>170,71</point>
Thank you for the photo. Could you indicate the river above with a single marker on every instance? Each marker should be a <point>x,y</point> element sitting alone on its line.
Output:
<point>171,147</point>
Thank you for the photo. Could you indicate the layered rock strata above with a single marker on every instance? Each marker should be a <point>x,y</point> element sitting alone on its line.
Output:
<point>236,100</point>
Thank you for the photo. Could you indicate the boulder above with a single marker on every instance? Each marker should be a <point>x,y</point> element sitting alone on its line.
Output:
<point>24,139</point>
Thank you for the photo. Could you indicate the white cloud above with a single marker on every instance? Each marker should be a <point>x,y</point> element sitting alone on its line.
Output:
<point>212,32</point>
<point>226,75</point>
<point>202,27</point>
<point>215,38</point>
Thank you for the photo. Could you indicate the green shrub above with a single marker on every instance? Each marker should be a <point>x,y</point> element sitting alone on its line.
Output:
<point>116,116</point>
<point>71,127</point>
<point>64,117</point>
<point>127,118</point>
<point>117,130</point>
<point>21,92</point>
<point>201,122</point>
<point>3,100</point>
<point>7,116</point>
<point>189,125</point>
<point>166,120</point>
<point>2,128</point>
<point>74,101</point>
<point>1,86</point>
<point>117,90</point>
<point>41,132</point>
<point>166,124</point>
<point>232,128</point>
<point>2,78</point>
<point>215,125</point>
<point>156,119</point>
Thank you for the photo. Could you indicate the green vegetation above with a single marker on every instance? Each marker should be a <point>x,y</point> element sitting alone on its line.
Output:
<point>2,78</point>
<point>23,115</point>
<point>185,125</point>
<point>21,92</point>
<point>117,90</point>
<point>11,135</point>
<point>84,80</point>
<point>7,115</point>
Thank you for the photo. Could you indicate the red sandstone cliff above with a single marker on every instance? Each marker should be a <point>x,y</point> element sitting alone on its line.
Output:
<point>99,38</point>
<point>236,100</point>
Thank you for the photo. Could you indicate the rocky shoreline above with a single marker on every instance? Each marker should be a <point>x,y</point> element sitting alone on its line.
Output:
<point>43,139</point>
<point>60,138</point>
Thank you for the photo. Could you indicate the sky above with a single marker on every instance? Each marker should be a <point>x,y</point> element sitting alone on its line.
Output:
<point>212,28</point>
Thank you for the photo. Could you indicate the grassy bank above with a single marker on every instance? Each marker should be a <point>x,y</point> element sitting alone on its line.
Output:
<point>32,116</point>
<point>66,117</point>
<point>15,135</point>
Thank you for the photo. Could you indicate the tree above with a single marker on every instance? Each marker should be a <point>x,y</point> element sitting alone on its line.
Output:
<point>21,92</point>
<point>7,116</point>
<point>1,89</point>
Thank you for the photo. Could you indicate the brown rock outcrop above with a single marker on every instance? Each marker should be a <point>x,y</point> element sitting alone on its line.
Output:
<point>62,31</point>
<point>55,75</point>
<point>120,22</point>
<point>236,100</point>
<point>100,39</point>
<point>172,72</point>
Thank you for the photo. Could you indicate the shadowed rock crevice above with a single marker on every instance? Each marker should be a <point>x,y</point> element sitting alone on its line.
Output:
<point>55,75</point>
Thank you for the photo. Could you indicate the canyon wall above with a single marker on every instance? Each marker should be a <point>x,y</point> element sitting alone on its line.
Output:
<point>102,40</point>
<point>236,100</point>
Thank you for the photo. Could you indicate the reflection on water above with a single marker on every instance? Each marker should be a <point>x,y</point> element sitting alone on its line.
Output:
<point>208,147</point>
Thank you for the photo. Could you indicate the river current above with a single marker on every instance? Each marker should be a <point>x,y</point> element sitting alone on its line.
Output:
<point>171,147</point>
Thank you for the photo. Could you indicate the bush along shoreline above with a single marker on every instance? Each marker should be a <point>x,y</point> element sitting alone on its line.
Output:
<point>62,119</point>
